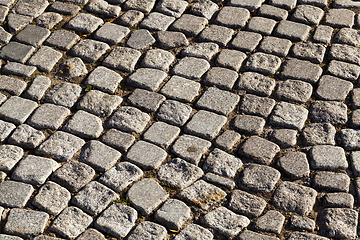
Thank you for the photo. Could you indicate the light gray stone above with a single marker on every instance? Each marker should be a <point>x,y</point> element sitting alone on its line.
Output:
<point>91,233</point>
<point>94,198</point>
<point>111,33</point>
<point>131,18</point>
<point>18,69</point>
<point>17,21</point>
<point>328,112</point>
<point>169,40</point>
<point>355,162</point>
<point>73,67</point>
<point>146,100</point>
<point>161,134</point>
<point>323,34</point>
<point>32,35</point>
<point>117,139</point>
<point>339,200</point>
<point>121,176</point>
<point>179,173</point>
<point>249,125</point>
<point>104,79</point>
<point>201,50</point>
<point>64,94</point>
<point>313,52</point>
<point>307,14</point>
<point>203,194</point>
<point>191,67</point>
<point>148,230</point>
<point>173,214</point>
<point>222,163</point>
<point>158,59</point>
<point>331,181</point>
<point>303,235</point>
<point>156,21</point>
<point>254,105</point>
<point>15,194</point>
<point>174,112</point>
<point>219,181</point>
<point>146,195</point>
<point>302,223</point>
<point>140,39</point>
<point>147,78</point>
<point>333,89</point>
<point>272,222</point>
<point>319,134</point>
<point>256,83</point>
<point>173,8</point>
<point>122,58</point>
<point>328,158</point>
<point>4,36</point>
<point>259,178</point>
<point>84,125</point>
<point>259,149</point>
<point>17,109</point>
<point>344,70</point>
<point>129,119</point>
<point>339,18</point>
<point>292,30</point>
<point>251,5</point>
<point>344,53</point>
<point>287,4</point>
<point>295,165</point>
<point>190,148</point>
<point>117,220</point>
<point>229,58</point>
<point>26,223</point>
<point>146,155</point>
<point>84,22</point>
<point>227,140</point>
<point>300,70</point>
<point>11,85</point>
<point>52,198</point>
<point>48,20</point>
<point>38,88</point>
<point>26,137</point>
<point>144,6</point>
<point>102,7</point>
<point>261,25</point>
<point>276,46</point>
<point>233,17</point>
<point>189,24</point>
<point>181,89</point>
<point>195,232</point>
<point>62,39</point>
<point>289,115</point>
<point>9,156</point>
<point>292,197</point>
<point>99,156</point>
<point>32,8</point>
<point>218,34</point>
<point>60,146</point>
<point>71,222</point>
<point>34,170</point>
<point>273,12</point>
<point>264,63</point>
<point>5,130</point>
<point>220,77</point>
<point>89,50</point>
<point>350,139</point>
<point>248,235</point>
<point>48,116</point>
<point>226,222</point>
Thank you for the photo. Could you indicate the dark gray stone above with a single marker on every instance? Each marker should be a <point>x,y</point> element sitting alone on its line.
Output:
<point>344,70</point>
<point>140,39</point>
<point>169,40</point>
<point>64,8</point>
<point>294,91</point>
<point>32,35</point>
<point>307,14</point>
<point>302,223</point>
<point>256,83</point>
<point>91,233</point>
<point>249,235</point>
<point>117,139</point>
<point>328,111</point>
<point>48,20</point>
<point>319,134</point>
<point>62,39</point>
<point>331,181</point>
<point>300,70</point>
<point>333,89</point>
<point>295,165</point>
<point>146,100</point>
<point>17,52</point>
<point>313,52</point>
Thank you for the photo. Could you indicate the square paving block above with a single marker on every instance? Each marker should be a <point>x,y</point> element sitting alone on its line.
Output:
<point>148,229</point>
<point>289,115</point>
<point>189,24</point>
<point>147,78</point>
<point>26,137</point>
<point>85,23</point>
<point>259,149</point>
<point>15,194</point>
<point>173,214</point>
<point>174,112</point>
<point>17,110</point>
<point>89,50</point>
<point>218,34</point>
<point>32,35</point>
<point>157,22</point>
<point>111,33</point>
<point>191,67</point>
<point>146,100</point>
<point>17,52</point>
<point>85,125</point>
<point>94,198</point>
<point>48,116</point>
<point>158,58</point>
<point>99,156</point>
<point>11,85</point>
<point>62,39</point>
<point>64,94</point>
<point>181,89</point>
<point>161,134</point>
<point>45,58</point>
<point>146,155</point>
<point>221,77</point>
<point>34,170</point>
<point>60,146</point>
<point>104,79</point>
<point>117,139</point>
<point>122,58</point>
<point>246,41</point>
<point>9,156</point>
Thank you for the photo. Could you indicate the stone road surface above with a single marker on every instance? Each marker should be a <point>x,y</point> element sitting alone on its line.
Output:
<point>175,119</point>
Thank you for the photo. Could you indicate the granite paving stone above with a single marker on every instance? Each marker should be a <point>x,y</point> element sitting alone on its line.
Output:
<point>259,178</point>
<point>226,222</point>
<point>287,4</point>
<point>222,163</point>
<point>300,70</point>
<point>146,100</point>
<point>174,112</point>
<point>17,109</point>
<point>71,222</point>
<point>147,78</point>
<point>220,77</point>
<point>259,149</point>
<point>64,8</point>
<point>89,50</point>
<point>10,155</point>
<point>348,36</point>
<point>295,165</point>
<point>181,89</point>
<point>5,130</point>
<point>256,83</point>
<point>62,39</point>
<point>328,111</point>
<point>331,181</point>
<point>4,36</point>
<point>84,22</point>
<point>190,148</point>
<point>204,8</point>
<point>292,30</point>
<point>189,24</point>
<point>308,14</point>
<point>302,223</point>
<point>146,195</point>
<point>171,39</point>
<point>158,59</point>
<point>101,7</point>
<point>99,156</point>
<point>251,5</point>
<point>292,197</point>
<point>218,34</point>
<point>231,59</point>
<point>319,134</point>
<point>344,53</point>
<point>195,232</point>
<point>276,46</point>
<point>227,140</point>
<point>73,175</point>
<point>60,146</point>
<point>313,52</point>
<point>33,170</point>
<point>84,125</point>
<point>143,6</point>
<point>205,124</point>
<point>294,91</point>
<point>319,3</point>
<point>18,52</point>
<point>191,67</point>
<point>203,194</point>
<point>122,58</point>
<point>339,18</point>
<point>140,39</point>
<point>245,41</point>
<point>94,198</point>
<point>355,98</point>
<point>328,158</point>
<point>52,198</point>
<point>99,103</point>
<point>289,115</point>
<point>48,20</point>
<point>157,22</point>
<point>248,124</point>
<point>162,134</point>
<point>273,12</point>
<point>17,21</point>
<point>32,8</point>
<point>146,155</point>
<point>71,68</point>
<point>121,176</point>
<point>338,222</point>
<point>91,233</point>
<point>111,33</point>
<point>131,18</point>
<point>173,8</point>
<point>45,237</point>
<point>129,119</point>
<point>15,194</point>
<point>339,200</point>
<point>344,70</point>
<point>32,35</point>
<point>179,173</point>
<point>333,89</point>
<point>14,68</point>
<point>173,214</point>
<point>117,139</point>
<point>261,25</point>
<point>48,116</point>
<point>148,230</point>
<point>233,17</point>
<point>45,58</point>
<point>299,235</point>
<point>64,94</point>
<point>219,181</point>
<point>104,79</point>
<point>272,222</point>
<point>26,223</point>
<point>248,235</point>
<point>204,50</point>
<point>263,63</point>
<point>350,139</point>
<point>12,85</point>
<point>323,34</point>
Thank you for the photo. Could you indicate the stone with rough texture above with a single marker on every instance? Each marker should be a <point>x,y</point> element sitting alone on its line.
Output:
<point>328,112</point>
<point>339,200</point>
<point>84,125</point>
<point>259,178</point>
<point>122,58</point>
<point>339,18</point>
<point>48,116</point>
<point>147,78</point>
<point>84,22</point>
<point>195,232</point>
<point>226,222</point>
<point>158,59</point>
<point>5,130</point>
<point>174,112</point>
<point>146,155</point>
<point>15,194</point>
<point>173,214</point>
<point>302,223</point>
<point>140,39</point>
<point>256,83</point>
<point>146,195</point>
<point>11,85</point>
<point>295,165</point>
<point>181,89</point>
<point>264,63</point>
<point>64,94</point>
<point>328,158</point>
<point>26,137</point>
<point>272,222</point>
<point>221,77</point>
<point>9,156</point>
<point>99,103</point>
<point>191,67</point>
<point>17,109</point>
<point>292,30</point>
<point>89,50</point>
<point>344,70</point>
<point>71,68</point>
<point>284,137</point>
<point>104,79</point>
<point>333,89</point>
<point>38,88</point>
<point>292,197</point>
<point>350,139</point>
<point>300,70</point>
<point>259,149</point>
<point>249,125</point>
<point>294,91</point>
<point>289,115</point>
<point>249,235</point>
<point>222,163</point>
<point>91,233</point>
<point>331,182</point>
<point>146,100</point>
<point>189,24</point>
<point>162,134</point>
<point>319,134</point>
<point>227,140</point>
<point>129,119</point>
<point>148,230</point>
<point>32,8</point>
<point>190,148</point>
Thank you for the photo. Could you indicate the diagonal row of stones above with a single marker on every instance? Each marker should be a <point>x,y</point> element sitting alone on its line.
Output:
<point>174,119</point>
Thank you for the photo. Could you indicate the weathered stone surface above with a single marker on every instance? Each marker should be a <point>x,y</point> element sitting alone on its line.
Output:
<point>129,119</point>
<point>328,158</point>
<point>302,223</point>
<point>272,222</point>
<point>246,204</point>
<point>195,232</point>
<point>26,137</point>
<point>319,134</point>
<point>117,139</point>
<point>259,149</point>
<point>148,230</point>
<point>328,112</point>
<point>256,83</point>
<point>222,163</point>
<point>331,182</point>
<point>333,89</point>
<point>295,165</point>
<point>173,214</point>
<point>248,235</point>
<point>259,178</point>
<point>146,155</point>
<point>339,200</point>
<point>15,194</point>
<point>17,109</point>
<point>84,125</point>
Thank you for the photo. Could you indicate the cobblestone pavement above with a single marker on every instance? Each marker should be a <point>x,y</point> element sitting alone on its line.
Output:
<point>174,119</point>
